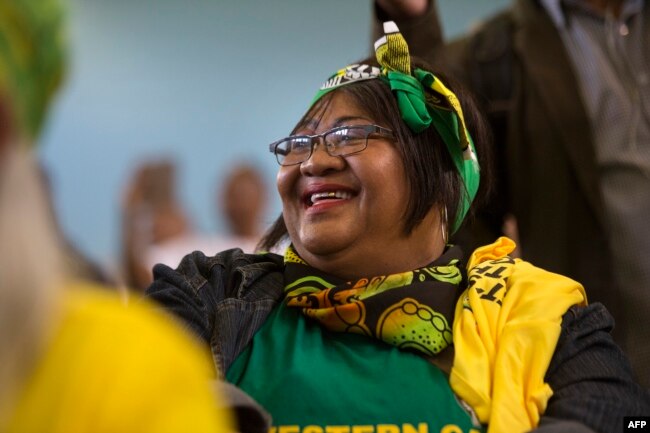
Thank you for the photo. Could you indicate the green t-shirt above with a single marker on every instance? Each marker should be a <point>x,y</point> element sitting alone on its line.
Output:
<point>312,380</point>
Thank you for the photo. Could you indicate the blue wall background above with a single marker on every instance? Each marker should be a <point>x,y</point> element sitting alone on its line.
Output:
<point>206,82</point>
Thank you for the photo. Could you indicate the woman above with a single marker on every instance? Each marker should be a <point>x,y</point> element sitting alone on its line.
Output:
<point>369,323</point>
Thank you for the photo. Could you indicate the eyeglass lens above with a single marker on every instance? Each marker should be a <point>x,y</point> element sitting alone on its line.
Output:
<point>338,142</point>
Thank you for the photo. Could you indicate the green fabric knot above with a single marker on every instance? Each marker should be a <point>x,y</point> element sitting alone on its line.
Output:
<point>411,101</point>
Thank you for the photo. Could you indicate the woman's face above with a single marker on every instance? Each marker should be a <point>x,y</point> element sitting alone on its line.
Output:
<point>359,231</point>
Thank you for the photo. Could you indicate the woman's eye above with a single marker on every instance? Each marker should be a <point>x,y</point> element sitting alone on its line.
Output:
<point>300,145</point>
<point>350,134</point>
<point>354,135</point>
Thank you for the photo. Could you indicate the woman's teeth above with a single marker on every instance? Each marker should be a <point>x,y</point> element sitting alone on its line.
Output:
<point>329,195</point>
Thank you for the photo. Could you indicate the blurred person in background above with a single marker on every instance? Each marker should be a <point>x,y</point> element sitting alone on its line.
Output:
<point>243,199</point>
<point>156,229</point>
<point>566,85</point>
<point>73,357</point>
<point>152,216</point>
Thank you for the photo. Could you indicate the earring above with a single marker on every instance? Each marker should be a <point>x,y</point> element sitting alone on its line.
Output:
<point>443,225</point>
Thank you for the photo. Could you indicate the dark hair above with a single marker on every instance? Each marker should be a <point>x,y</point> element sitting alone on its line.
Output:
<point>431,174</point>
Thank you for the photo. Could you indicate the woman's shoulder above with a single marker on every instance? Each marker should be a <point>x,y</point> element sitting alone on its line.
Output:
<point>230,259</point>
<point>198,269</point>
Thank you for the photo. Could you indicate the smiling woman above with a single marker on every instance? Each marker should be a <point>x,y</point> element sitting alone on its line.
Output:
<point>342,210</point>
<point>371,321</point>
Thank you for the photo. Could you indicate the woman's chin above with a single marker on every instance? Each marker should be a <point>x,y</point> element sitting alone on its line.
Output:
<point>323,245</point>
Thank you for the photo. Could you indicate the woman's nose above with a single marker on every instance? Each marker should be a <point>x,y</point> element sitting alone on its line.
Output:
<point>320,162</point>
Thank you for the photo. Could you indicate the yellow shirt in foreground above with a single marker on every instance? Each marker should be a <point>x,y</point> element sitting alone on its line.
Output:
<point>111,368</point>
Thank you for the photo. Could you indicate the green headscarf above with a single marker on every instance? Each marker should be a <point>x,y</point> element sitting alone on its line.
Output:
<point>423,101</point>
<point>31,59</point>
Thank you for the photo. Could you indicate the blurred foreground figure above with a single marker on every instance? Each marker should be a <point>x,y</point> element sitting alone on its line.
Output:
<point>73,358</point>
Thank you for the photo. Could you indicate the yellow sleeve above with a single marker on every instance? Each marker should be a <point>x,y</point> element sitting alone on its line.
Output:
<point>111,368</point>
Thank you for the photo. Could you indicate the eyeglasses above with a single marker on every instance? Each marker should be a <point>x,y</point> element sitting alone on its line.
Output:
<point>341,141</point>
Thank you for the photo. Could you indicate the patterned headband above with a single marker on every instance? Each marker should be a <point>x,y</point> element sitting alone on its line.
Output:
<point>423,101</point>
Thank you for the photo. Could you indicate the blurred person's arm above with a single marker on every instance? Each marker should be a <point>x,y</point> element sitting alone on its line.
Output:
<point>417,20</point>
<point>403,8</point>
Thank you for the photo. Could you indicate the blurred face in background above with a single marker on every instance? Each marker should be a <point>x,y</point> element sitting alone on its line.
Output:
<point>243,200</point>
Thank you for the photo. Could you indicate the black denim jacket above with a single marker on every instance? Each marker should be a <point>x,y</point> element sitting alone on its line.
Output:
<point>226,298</point>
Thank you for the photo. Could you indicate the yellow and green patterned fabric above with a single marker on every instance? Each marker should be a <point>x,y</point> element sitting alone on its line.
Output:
<point>410,310</point>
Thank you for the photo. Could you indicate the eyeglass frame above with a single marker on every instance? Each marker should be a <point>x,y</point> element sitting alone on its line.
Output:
<point>317,138</point>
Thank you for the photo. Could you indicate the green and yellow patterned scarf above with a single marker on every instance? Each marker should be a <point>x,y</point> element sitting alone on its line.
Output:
<point>410,310</point>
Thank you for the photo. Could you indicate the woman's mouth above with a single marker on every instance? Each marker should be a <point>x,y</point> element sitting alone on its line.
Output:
<point>317,197</point>
<point>324,195</point>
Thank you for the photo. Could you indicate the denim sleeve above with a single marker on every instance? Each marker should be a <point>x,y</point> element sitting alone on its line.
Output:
<point>224,298</point>
<point>185,293</point>
<point>591,378</point>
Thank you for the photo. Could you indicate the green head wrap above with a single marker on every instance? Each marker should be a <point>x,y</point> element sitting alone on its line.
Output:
<point>423,101</point>
<point>31,59</point>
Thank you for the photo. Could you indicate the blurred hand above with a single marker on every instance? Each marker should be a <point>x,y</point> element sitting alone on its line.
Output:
<point>404,8</point>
